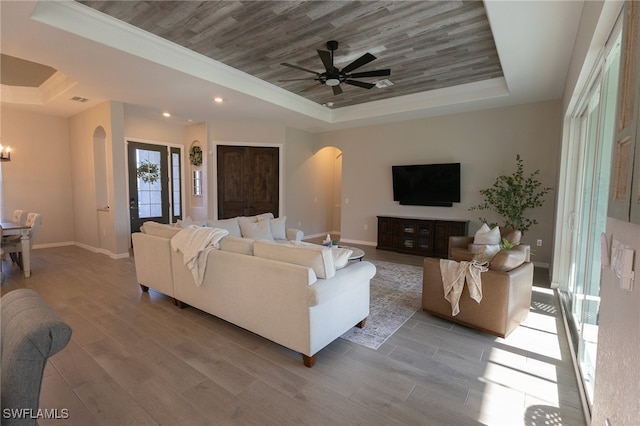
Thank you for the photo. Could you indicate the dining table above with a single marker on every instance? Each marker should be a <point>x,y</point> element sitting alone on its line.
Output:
<point>12,228</point>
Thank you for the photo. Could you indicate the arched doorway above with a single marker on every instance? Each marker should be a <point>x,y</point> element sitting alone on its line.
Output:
<point>101,187</point>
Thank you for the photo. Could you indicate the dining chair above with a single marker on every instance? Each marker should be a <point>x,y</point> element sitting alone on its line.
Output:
<point>19,217</point>
<point>14,248</point>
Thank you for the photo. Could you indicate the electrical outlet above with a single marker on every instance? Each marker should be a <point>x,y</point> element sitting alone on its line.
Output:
<point>539,243</point>
<point>366,226</point>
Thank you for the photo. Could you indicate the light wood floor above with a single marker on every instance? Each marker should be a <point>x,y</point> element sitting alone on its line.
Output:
<point>136,359</point>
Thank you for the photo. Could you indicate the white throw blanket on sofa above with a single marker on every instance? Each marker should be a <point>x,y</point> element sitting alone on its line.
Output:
<point>454,275</point>
<point>194,242</point>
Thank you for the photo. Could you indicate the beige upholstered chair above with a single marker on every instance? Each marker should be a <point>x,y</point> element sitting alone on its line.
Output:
<point>506,292</point>
<point>14,248</point>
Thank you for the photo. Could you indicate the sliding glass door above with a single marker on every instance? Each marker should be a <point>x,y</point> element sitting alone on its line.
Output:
<point>591,150</point>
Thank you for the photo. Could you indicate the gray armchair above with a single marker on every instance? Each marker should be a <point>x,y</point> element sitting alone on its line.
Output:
<point>31,333</point>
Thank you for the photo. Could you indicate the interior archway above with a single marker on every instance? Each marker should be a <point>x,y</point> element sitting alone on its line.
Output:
<point>101,184</point>
<point>330,162</point>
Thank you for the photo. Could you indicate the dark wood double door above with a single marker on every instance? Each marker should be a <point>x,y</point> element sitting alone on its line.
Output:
<point>248,180</point>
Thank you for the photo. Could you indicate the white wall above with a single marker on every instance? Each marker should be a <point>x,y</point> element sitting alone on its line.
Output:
<point>141,127</point>
<point>484,142</point>
<point>38,177</point>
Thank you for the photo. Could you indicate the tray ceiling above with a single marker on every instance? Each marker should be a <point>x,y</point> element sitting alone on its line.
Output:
<point>427,44</point>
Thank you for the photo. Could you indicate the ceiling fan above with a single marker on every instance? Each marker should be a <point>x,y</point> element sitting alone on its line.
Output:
<point>333,76</point>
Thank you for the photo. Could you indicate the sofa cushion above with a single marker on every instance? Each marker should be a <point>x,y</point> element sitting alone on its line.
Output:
<point>230,225</point>
<point>313,256</point>
<point>260,230</point>
<point>159,229</point>
<point>506,260</point>
<point>341,256</point>
<point>237,245</point>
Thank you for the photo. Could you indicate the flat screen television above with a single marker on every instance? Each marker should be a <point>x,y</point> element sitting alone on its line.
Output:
<point>427,184</point>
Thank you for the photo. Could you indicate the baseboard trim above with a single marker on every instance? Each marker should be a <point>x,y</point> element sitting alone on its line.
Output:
<point>112,255</point>
<point>50,245</point>
<point>103,251</point>
<point>360,242</point>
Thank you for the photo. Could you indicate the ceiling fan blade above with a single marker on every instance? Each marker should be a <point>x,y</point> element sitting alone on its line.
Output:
<point>336,90</point>
<point>325,57</point>
<point>298,79</point>
<point>311,87</point>
<point>298,68</point>
<point>362,60</point>
<point>376,73</point>
<point>360,84</point>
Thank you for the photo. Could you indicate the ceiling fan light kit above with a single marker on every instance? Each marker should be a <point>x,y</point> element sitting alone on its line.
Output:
<point>333,77</point>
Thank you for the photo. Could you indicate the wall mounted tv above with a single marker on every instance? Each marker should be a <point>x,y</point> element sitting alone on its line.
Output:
<point>427,184</point>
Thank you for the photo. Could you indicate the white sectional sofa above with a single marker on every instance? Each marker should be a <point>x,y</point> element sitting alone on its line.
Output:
<point>299,295</point>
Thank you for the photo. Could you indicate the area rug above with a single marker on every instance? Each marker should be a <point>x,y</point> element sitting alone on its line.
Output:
<point>396,294</point>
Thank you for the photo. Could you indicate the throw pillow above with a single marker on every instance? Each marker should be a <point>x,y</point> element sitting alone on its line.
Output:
<point>183,223</point>
<point>513,237</point>
<point>484,235</point>
<point>265,216</point>
<point>278,228</point>
<point>247,219</point>
<point>260,230</point>
<point>341,256</point>
<point>230,225</point>
<point>507,260</point>
<point>484,252</point>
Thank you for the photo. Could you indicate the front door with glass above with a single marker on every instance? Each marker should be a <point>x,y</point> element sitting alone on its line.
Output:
<point>148,184</point>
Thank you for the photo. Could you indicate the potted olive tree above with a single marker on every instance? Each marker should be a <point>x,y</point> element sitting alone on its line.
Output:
<point>511,196</point>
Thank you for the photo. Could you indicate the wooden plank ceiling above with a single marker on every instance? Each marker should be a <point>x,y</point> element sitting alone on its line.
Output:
<point>427,44</point>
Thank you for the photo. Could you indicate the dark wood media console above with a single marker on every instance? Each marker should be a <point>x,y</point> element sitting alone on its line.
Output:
<point>425,237</point>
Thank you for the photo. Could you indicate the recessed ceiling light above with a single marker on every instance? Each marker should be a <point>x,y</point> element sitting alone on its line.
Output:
<point>218,100</point>
<point>166,114</point>
<point>79,99</point>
